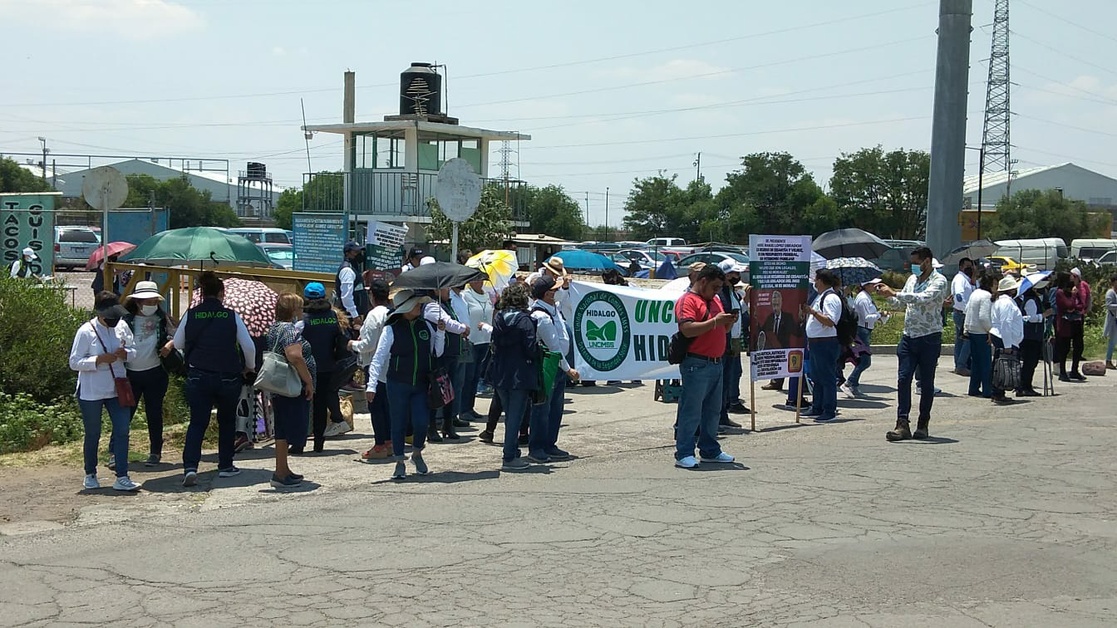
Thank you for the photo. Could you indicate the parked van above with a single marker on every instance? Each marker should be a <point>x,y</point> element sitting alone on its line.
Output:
<point>1090,249</point>
<point>1042,253</point>
<point>263,235</point>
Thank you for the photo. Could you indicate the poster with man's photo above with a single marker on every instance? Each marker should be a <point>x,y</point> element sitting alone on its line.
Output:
<point>779,270</point>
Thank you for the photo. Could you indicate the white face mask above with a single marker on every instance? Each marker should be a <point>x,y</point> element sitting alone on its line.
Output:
<point>149,310</point>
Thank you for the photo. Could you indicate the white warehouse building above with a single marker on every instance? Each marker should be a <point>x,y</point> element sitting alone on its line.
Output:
<point>1093,188</point>
<point>244,194</point>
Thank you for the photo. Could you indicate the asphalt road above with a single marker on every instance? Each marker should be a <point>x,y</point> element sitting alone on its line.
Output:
<point>1005,518</point>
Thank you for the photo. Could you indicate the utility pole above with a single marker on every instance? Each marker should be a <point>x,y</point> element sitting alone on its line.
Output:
<point>698,167</point>
<point>43,141</point>
<point>948,134</point>
<point>606,214</point>
<point>587,209</point>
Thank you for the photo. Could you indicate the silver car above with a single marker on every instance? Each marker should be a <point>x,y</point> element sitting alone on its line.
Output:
<point>73,246</point>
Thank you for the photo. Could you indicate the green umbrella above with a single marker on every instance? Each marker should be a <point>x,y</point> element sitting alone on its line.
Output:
<point>197,244</point>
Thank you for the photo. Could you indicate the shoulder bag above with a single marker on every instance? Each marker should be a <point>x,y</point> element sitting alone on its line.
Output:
<point>277,376</point>
<point>125,396</point>
<point>680,344</point>
<point>440,392</point>
<point>546,366</point>
<point>1006,370</point>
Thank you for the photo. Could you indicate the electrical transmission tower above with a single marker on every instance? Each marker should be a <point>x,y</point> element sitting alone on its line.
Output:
<point>506,166</point>
<point>995,141</point>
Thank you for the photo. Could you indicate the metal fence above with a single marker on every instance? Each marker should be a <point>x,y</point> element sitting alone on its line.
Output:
<point>390,193</point>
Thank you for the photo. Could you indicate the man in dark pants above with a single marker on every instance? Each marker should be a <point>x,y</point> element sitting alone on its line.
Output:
<point>349,288</point>
<point>732,369</point>
<point>921,344</point>
<point>1031,348</point>
<point>208,336</point>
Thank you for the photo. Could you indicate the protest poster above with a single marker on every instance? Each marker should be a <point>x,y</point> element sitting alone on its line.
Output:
<point>27,220</point>
<point>318,242</point>
<point>386,234</point>
<point>779,269</point>
<point>621,332</point>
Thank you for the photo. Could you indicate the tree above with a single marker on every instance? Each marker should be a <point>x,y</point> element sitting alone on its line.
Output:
<point>14,178</point>
<point>290,201</point>
<point>657,207</point>
<point>188,206</point>
<point>1042,214</point>
<point>550,210</point>
<point>884,193</point>
<point>773,194</point>
<point>488,228</point>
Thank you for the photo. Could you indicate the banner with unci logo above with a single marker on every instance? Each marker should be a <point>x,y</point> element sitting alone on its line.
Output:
<point>620,332</point>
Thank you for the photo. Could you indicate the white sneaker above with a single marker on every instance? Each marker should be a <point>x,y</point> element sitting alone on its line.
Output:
<point>722,458</point>
<point>690,462</point>
<point>91,482</point>
<point>125,483</point>
<point>337,429</point>
<point>850,391</point>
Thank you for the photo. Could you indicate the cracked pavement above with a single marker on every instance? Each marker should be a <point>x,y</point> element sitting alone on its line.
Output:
<point>1006,518</point>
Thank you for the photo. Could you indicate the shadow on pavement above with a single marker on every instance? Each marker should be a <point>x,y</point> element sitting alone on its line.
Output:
<point>206,481</point>
<point>448,477</point>
<point>789,426</point>
<point>873,388</point>
<point>862,404</point>
<point>106,491</point>
<point>305,487</point>
<point>933,440</point>
<point>707,467</point>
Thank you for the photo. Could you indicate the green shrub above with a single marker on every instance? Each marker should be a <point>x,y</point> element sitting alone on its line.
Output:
<point>26,424</point>
<point>36,331</point>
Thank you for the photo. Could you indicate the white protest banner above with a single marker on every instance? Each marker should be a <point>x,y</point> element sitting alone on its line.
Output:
<point>778,271</point>
<point>622,333</point>
<point>386,234</point>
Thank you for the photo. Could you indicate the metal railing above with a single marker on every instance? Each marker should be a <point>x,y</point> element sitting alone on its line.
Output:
<point>389,193</point>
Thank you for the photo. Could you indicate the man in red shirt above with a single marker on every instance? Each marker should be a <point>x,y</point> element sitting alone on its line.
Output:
<point>701,319</point>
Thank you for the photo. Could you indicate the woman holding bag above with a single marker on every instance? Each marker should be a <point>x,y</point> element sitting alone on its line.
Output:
<point>292,414</point>
<point>152,329</point>
<point>98,353</point>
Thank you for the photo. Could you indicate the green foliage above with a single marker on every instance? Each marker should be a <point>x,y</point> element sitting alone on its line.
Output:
<point>774,194</point>
<point>658,207</point>
<point>550,210</point>
<point>883,193</point>
<point>1042,214</point>
<point>188,206</point>
<point>488,228</point>
<point>36,363</point>
<point>290,201</point>
<point>26,424</point>
<point>324,192</point>
<point>13,178</point>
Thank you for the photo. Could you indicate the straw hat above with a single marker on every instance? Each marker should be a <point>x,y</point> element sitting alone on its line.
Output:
<point>146,290</point>
<point>556,266</point>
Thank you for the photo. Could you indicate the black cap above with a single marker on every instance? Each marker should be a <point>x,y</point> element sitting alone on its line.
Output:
<point>352,246</point>
<point>415,252</point>
<point>542,286</point>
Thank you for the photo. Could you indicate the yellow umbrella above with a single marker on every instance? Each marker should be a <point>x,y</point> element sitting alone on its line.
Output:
<point>500,266</point>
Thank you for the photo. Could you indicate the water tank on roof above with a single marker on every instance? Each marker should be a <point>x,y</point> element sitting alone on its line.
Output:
<point>257,170</point>
<point>420,91</point>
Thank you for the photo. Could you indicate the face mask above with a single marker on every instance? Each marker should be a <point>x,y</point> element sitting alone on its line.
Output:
<point>111,322</point>
<point>917,269</point>
<point>149,310</point>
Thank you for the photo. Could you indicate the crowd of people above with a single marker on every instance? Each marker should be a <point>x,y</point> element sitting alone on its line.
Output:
<point>428,354</point>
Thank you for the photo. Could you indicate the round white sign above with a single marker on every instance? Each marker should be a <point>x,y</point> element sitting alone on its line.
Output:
<point>458,190</point>
<point>104,188</point>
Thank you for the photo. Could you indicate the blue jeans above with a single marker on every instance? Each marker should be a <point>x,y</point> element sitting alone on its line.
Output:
<point>119,417</point>
<point>824,375</point>
<point>1110,348</point>
<point>731,384</point>
<point>204,391</point>
<point>920,354</point>
<point>407,403</point>
<point>292,419</point>
<point>961,345</point>
<point>864,362</point>
<point>981,369</point>
<point>793,382</point>
<point>545,421</point>
<point>381,416</point>
<point>150,386</point>
<point>473,373</point>
<point>515,403</point>
<point>699,408</point>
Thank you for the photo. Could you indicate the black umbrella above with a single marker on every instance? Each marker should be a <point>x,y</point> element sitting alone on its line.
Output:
<point>973,250</point>
<point>437,276</point>
<point>849,243</point>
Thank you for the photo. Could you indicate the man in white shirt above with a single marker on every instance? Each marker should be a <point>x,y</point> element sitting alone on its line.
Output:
<point>822,318</point>
<point>1007,331</point>
<point>350,288</point>
<point>21,268</point>
<point>962,287</point>
<point>867,318</point>
<point>414,257</point>
<point>978,324</point>
<point>551,330</point>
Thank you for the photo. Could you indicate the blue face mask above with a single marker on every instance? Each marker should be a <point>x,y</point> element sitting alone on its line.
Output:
<point>917,269</point>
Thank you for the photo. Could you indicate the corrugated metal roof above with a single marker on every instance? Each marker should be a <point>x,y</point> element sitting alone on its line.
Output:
<point>970,184</point>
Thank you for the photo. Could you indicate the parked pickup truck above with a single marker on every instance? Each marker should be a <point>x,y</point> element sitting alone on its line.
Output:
<point>670,245</point>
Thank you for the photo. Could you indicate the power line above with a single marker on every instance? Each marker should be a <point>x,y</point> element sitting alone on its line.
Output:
<point>1066,21</point>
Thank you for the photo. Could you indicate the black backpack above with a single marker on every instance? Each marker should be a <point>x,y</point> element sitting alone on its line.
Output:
<point>847,324</point>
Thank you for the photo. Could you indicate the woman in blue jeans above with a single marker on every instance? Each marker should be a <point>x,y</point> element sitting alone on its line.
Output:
<point>152,329</point>
<point>98,353</point>
<point>407,354</point>
<point>512,369</point>
<point>822,318</point>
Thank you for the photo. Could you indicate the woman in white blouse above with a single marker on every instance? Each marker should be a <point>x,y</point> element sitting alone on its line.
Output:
<point>480,305</point>
<point>100,349</point>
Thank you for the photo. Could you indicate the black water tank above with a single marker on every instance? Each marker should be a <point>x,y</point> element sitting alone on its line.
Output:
<point>420,91</point>
<point>257,170</point>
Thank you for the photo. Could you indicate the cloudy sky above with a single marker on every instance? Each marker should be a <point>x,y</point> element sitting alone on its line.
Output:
<point>609,91</point>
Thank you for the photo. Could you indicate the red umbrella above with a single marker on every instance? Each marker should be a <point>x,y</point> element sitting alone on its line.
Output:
<point>115,248</point>
<point>253,300</point>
